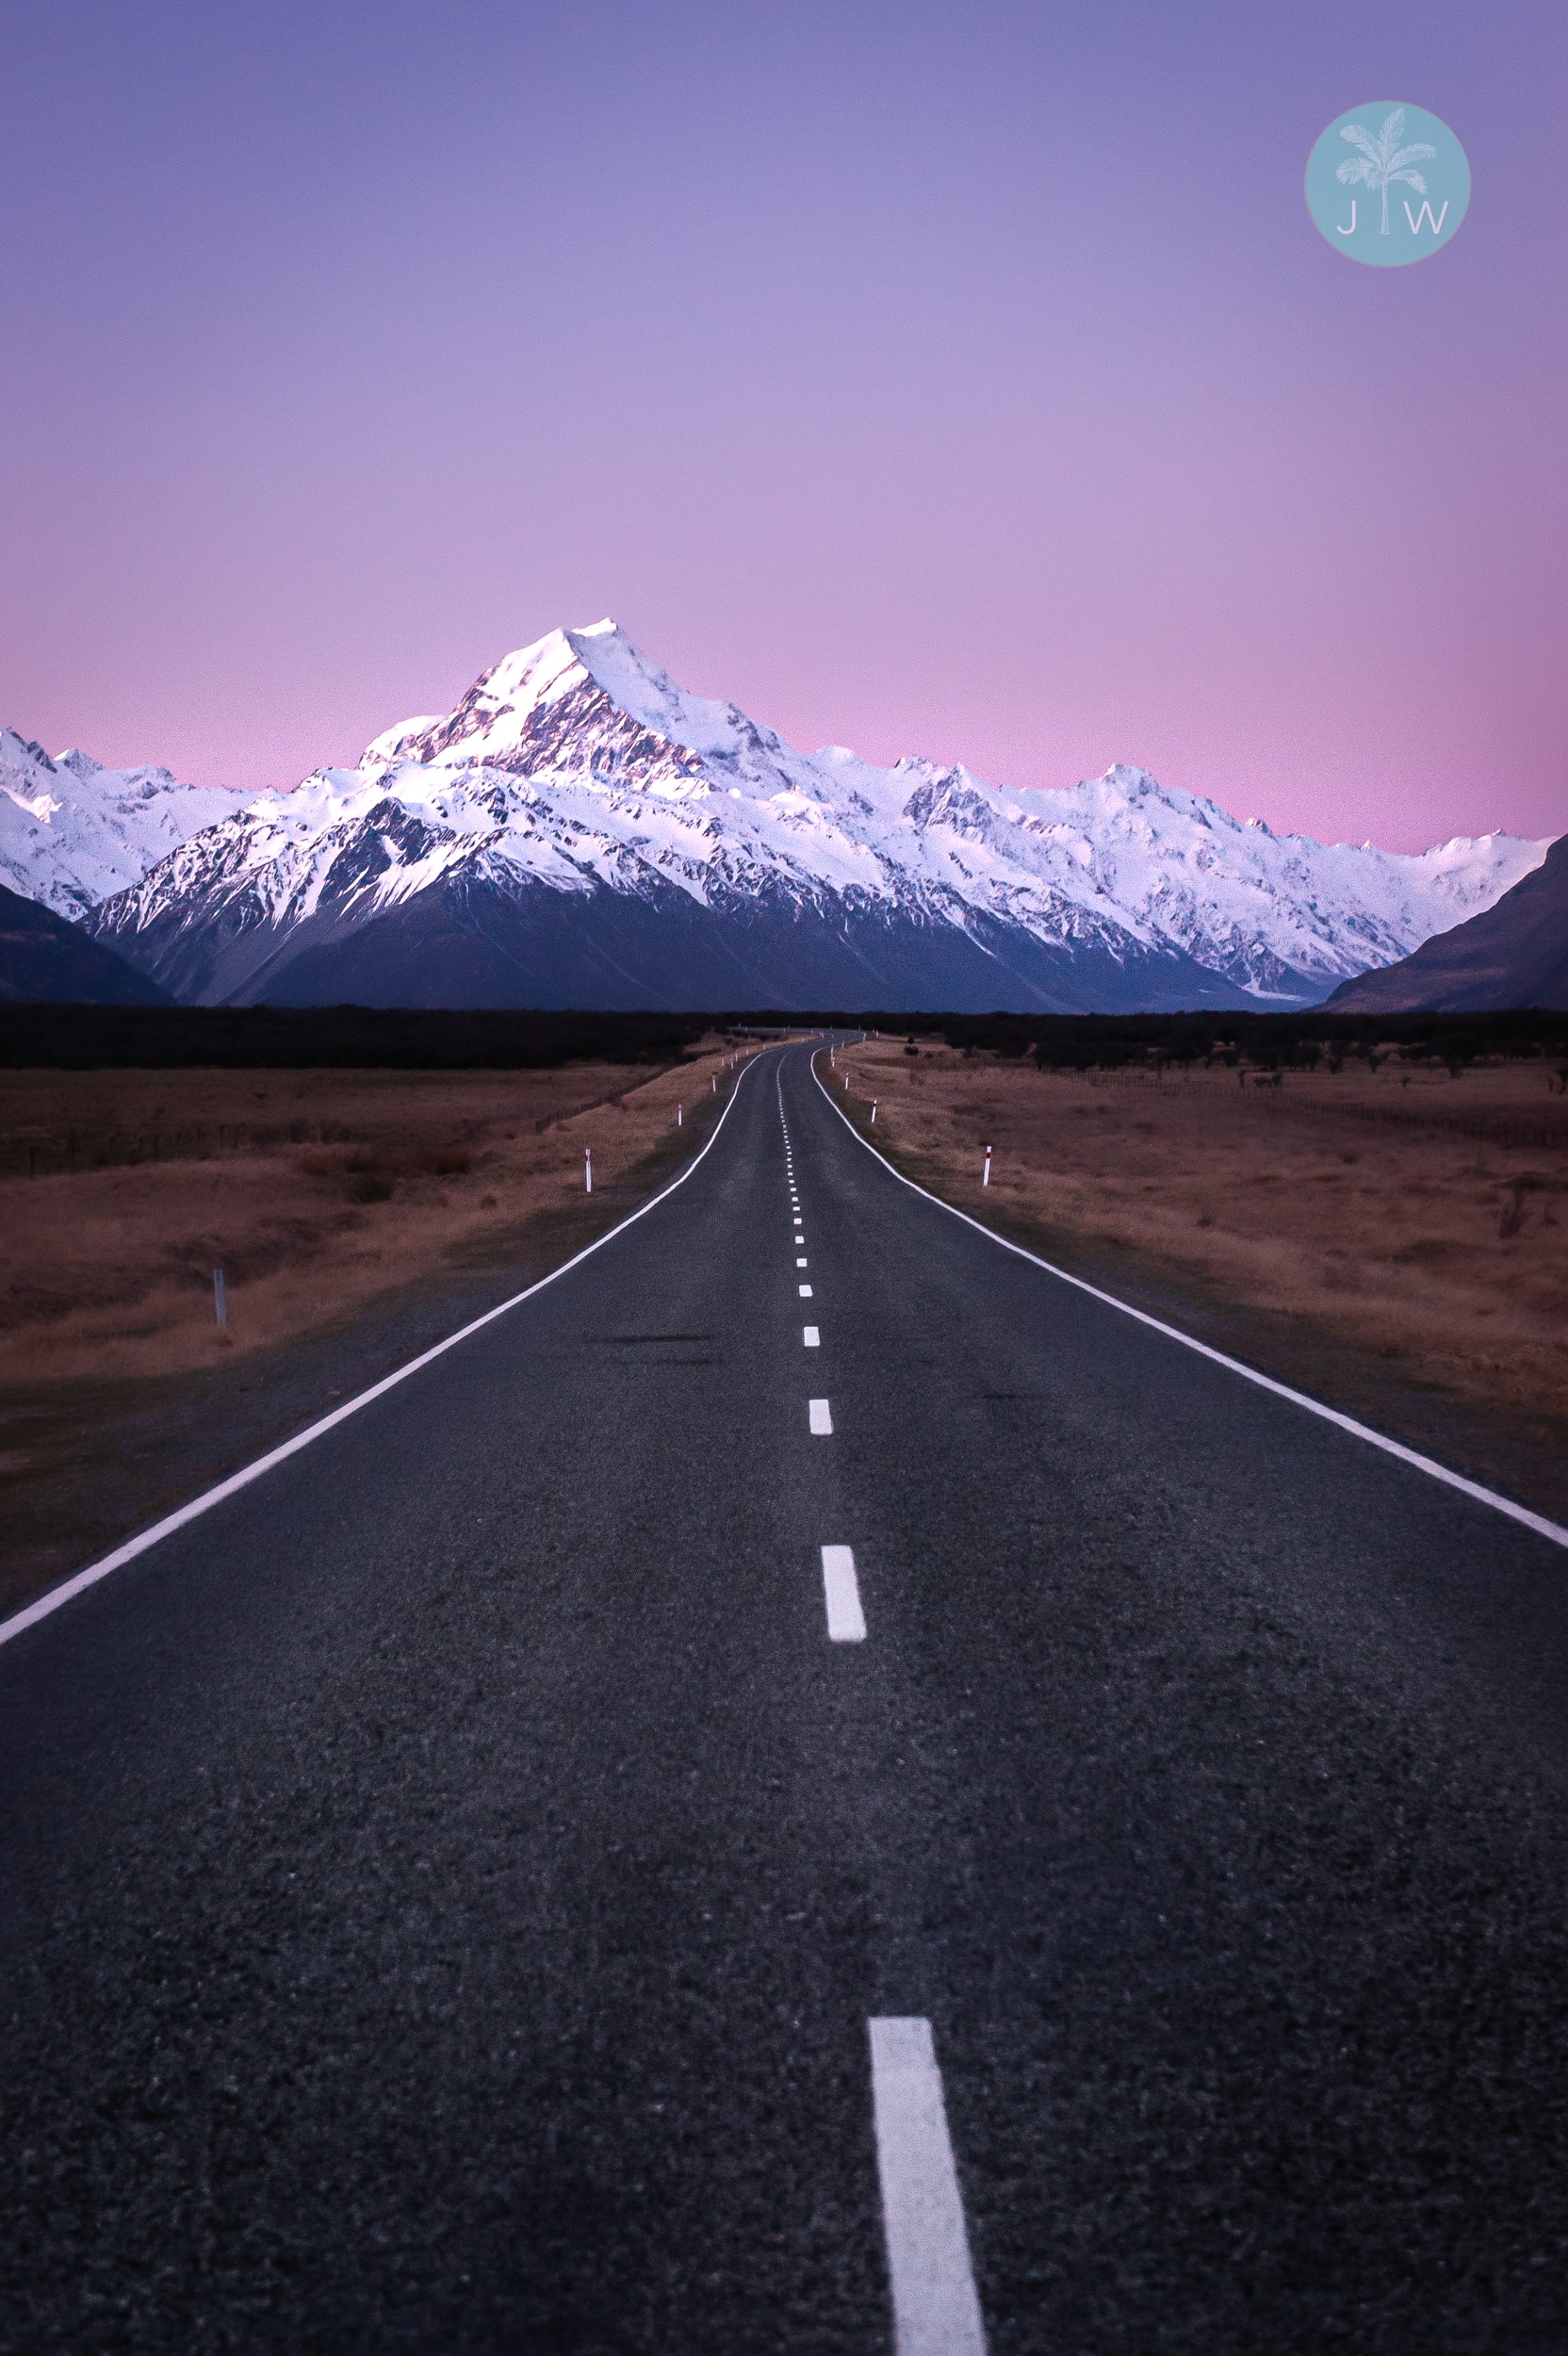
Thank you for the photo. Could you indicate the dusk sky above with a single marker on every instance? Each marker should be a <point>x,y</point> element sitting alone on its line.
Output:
<point>970,382</point>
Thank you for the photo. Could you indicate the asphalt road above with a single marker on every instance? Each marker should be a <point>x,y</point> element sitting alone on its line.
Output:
<point>446,1886</point>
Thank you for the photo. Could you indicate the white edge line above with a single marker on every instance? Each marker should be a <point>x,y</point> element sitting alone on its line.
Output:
<point>1537,1522</point>
<point>45,1604</point>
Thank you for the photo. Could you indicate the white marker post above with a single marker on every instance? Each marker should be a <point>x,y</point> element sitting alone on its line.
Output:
<point>986,1173</point>
<point>680,1115</point>
<point>873,1110</point>
<point>219,1297</point>
<point>587,1170</point>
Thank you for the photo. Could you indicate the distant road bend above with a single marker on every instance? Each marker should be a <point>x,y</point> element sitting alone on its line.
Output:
<point>807,1785</point>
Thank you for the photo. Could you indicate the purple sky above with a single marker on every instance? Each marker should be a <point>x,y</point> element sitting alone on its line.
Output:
<point>961,381</point>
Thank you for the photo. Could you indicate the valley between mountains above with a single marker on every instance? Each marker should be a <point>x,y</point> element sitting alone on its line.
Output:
<point>579,831</point>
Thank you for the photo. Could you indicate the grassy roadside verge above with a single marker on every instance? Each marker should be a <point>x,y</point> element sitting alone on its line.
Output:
<point>91,1452</point>
<point>1335,1267</point>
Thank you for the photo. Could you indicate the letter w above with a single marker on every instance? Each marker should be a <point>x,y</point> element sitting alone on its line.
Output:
<point>1426,214</point>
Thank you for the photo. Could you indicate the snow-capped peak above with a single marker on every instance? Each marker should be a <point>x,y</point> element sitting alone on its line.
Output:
<point>574,766</point>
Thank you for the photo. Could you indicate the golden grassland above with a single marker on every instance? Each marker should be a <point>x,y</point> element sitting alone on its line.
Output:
<point>1443,1254</point>
<point>344,1185</point>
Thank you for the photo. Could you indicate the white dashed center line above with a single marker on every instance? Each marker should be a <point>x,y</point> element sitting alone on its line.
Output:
<point>936,2311</point>
<point>846,1621</point>
<point>806,1292</point>
<point>814,1339</point>
<point>822,1419</point>
<point>800,1264</point>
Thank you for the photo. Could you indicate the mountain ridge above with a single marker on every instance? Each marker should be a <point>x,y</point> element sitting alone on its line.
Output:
<point>575,778</point>
<point>1513,954</point>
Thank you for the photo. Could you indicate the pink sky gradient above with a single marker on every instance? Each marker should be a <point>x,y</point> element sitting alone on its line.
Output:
<point>973,384</point>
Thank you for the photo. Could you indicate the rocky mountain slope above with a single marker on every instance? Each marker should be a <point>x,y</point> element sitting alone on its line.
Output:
<point>1515,954</point>
<point>580,831</point>
<point>44,959</point>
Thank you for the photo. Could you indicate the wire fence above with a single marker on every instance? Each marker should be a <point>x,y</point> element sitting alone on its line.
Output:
<point>1270,1088</point>
<point>77,1151</point>
<point>1490,1128</point>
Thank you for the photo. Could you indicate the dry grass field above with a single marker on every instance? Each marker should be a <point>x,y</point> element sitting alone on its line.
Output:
<point>1340,1202</point>
<point>342,1185</point>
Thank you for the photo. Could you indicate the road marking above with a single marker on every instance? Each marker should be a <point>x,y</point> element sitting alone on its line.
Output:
<point>821,1418</point>
<point>800,1264</point>
<point>806,1292</point>
<point>1428,1465</point>
<point>846,1621</point>
<point>936,2311</point>
<point>44,1605</point>
<point>812,1337</point>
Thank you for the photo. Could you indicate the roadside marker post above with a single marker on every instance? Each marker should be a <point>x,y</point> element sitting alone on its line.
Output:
<point>986,1173</point>
<point>588,1170</point>
<point>680,1116</point>
<point>873,1111</point>
<point>219,1297</point>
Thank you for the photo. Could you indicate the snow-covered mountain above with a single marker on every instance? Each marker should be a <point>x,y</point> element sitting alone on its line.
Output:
<point>72,831</point>
<point>580,831</point>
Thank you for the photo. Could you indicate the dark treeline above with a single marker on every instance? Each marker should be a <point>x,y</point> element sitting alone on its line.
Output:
<point>83,1037</point>
<point>1272,1043</point>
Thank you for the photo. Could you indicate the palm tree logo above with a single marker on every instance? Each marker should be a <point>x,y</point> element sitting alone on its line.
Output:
<point>1382,160</point>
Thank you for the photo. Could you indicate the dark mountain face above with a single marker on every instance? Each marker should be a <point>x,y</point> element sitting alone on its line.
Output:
<point>1515,954</point>
<point>471,940</point>
<point>44,959</point>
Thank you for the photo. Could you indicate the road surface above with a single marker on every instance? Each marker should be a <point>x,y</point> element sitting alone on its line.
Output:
<point>477,1887</point>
